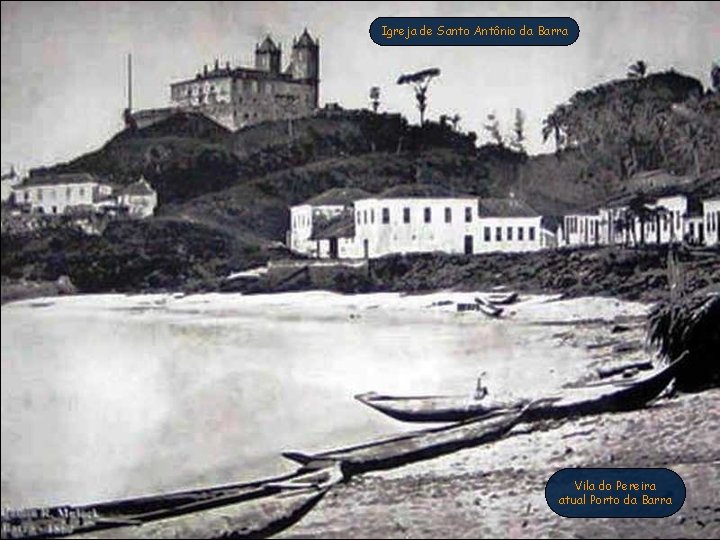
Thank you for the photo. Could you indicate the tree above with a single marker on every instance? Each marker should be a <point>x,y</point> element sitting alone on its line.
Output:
<point>518,140</point>
<point>638,70</point>
<point>375,98</point>
<point>493,129</point>
<point>420,82</point>
<point>455,121</point>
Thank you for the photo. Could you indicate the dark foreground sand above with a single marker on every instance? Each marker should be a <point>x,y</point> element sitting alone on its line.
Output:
<point>497,490</point>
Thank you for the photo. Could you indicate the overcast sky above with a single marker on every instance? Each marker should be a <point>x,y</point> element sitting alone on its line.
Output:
<point>64,64</point>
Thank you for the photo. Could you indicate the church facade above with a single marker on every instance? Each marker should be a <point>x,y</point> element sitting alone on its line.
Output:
<point>241,96</point>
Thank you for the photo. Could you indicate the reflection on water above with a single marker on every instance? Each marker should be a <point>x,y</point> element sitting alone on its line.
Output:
<point>118,396</point>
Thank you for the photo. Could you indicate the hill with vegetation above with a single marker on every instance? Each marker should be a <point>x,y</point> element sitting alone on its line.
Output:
<point>224,196</point>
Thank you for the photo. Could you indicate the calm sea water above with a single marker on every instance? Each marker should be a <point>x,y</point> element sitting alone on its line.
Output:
<point>113,396</point>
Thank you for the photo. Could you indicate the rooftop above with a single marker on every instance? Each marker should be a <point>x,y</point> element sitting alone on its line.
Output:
<point>61,179</point>
<point>505,208</point>
<point>425,191</point>
<point>340,226</point>
<point>141,187</point>
<point>338,197</point>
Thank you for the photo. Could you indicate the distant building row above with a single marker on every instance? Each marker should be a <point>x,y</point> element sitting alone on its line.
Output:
<point>351,223</point>
<point>80,192</point>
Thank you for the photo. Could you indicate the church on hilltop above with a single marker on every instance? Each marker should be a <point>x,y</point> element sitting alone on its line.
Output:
<point>237,97</point>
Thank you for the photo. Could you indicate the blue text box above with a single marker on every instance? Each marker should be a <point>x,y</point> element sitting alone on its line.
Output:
<point>620,493</point>
<point>474,31</point>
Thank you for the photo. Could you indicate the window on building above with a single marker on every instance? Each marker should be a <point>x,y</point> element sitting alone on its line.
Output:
<point>82,192</point>
<point>487,234</point>
<point>508,233</point>
<point>521,233</point>
<point>372,215</point>
<point>468,214</point>
<point>448,215</point>
<point>358,218</point>
<point>531,233</point>
<point>68,192</point>
<point>428,215</point>
<point>365,217</point>
<point>39,195</point>
<point>406,215</point>
<point>386,216</point>
<point>677,219</point>
<point>27,196</point>
<point>498,233</point>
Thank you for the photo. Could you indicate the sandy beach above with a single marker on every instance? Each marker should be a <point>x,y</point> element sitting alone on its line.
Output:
<point>497,490</point>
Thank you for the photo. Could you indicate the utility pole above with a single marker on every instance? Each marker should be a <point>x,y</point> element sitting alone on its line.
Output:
<point>129,70</point>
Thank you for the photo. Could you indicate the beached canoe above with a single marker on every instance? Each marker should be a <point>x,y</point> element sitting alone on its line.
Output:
<point>399,450</point>
<point>252,509</point>
<point>590,399</point>
<point>433,408</point>
<point>608,397</point>
<point>501,299</point>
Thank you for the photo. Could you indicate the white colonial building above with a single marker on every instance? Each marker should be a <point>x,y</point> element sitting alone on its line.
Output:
<point>309,219</point>
<point>582,229</point>
<point>413,218</point>
<point>54,193</point>
<point>711,218</point>
<point>511,225</point>
<point>138,199</point>
<point>73,193</point>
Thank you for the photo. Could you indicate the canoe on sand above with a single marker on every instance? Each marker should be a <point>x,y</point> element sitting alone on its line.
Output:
<point>253,509</point>
<point>415,446</point>
<point>432,408</point>
<point>586,400</point>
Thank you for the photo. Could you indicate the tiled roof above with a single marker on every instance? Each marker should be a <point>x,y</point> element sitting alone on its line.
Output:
<point>59,179</point>
<point>425,191</point>
<point>505,208</point>
<point>338,197</point>
<point>305,40</point>
<point>340,226</point>
<point>141,187</point>
<point>268,45</point>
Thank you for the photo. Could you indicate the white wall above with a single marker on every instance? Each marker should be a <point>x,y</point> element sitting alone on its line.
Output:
<point>55,198</point>
<point>711,217</point>
<point>509,241</point>
<point>141,206</point>
<point>301,224</point>
<point>582,230</point>
<point>417,236</point>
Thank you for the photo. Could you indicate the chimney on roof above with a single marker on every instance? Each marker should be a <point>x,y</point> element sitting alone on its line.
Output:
<point>205,71</point>
<point>217,65</point>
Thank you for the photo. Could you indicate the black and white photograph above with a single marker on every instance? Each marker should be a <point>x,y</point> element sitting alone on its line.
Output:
<point>270,273</point>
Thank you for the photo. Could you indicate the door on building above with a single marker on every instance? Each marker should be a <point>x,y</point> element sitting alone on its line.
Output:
<point>333,248</point>
<point>468,245</point>
<point>366,248</point>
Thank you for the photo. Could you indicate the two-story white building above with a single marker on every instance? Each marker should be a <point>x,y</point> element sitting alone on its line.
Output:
<point>54,193</point>
<point>314,215</point>
<point>711,218</point>
<point>415,218</point>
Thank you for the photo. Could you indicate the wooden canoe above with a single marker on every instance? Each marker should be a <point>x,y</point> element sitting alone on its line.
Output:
<point>608,397</point>
<point>399,450</point>
<point>502,299</point>
<point>249,509</point>
<point>590,399</point>
<point>432,408</point>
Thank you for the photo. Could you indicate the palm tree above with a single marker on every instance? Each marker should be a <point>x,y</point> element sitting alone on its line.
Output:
<point>638,70</point>
<point>420,81</point>
<point>375,98</point>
